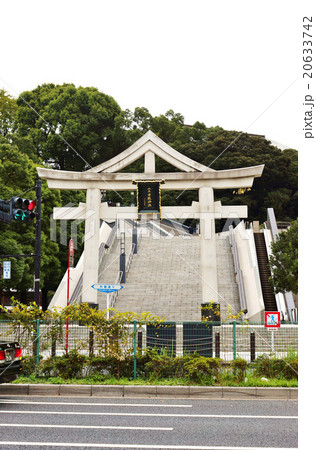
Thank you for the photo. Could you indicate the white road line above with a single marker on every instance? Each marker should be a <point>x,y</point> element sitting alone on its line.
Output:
<point>23,425</point>
<point>211,416</point>
<point>138,405</point>
<point>137,446</point>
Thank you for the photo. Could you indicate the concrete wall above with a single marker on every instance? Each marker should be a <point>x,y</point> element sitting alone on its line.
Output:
<point>59,299</point>
<point>249,265</point>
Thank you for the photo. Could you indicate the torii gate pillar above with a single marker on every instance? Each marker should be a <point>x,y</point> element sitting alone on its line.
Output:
<point>208,245</point>
<point>91,244</point>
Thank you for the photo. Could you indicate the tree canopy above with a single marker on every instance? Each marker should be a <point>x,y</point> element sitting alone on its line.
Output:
<point>8,109</point>
<point>284,260</point>
<point>18,178</point>
<point>71,128</point>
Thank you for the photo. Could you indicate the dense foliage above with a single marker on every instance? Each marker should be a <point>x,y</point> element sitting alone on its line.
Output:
<point>74,128</point>
<point>156,368</point>
<point>111,356</point>
<point>284,260</point>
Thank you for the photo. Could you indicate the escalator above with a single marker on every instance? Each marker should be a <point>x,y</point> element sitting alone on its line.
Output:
<point>264,271</point>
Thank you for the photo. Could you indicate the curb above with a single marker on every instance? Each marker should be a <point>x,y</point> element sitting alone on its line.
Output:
<point>201,392</point>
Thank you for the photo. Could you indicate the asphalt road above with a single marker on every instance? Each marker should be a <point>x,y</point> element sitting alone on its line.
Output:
<point>38,423</point>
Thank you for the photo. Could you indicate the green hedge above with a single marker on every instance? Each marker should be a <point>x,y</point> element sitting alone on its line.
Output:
<point>277,368</point>
<point>153,365</point>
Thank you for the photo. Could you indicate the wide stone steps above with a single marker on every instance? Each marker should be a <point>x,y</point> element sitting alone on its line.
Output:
<point>110,266</point>
<point>165,279</point>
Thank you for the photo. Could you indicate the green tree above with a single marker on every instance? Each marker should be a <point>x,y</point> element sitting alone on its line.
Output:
<point>70,127</point>
<point>9,245</point>
<point>221,149</point>
<point>18,177</point>
<point>284,260</point>
<point>8,109</point>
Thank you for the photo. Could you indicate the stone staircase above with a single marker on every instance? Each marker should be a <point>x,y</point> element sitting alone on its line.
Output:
<point>228,297</point>
<point>110,266</point>
<point>165,278</point>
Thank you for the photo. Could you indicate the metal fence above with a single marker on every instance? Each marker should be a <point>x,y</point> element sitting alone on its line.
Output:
<point>210,339</point>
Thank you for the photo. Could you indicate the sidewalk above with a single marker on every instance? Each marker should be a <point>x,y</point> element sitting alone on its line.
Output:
<point>206,392</point>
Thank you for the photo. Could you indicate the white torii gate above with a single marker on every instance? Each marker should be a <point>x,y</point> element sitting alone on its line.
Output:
<point>192,176</point>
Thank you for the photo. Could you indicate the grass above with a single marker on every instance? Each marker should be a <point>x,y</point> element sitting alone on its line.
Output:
<point>226,380</point>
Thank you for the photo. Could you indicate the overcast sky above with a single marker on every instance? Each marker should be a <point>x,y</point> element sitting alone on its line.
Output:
<point>236,64</point>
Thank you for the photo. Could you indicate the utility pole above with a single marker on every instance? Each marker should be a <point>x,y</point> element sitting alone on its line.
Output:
<point>38,243</point>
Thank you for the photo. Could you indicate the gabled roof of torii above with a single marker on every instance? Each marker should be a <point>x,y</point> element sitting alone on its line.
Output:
<point>150,142</point>
<point>192,175</point>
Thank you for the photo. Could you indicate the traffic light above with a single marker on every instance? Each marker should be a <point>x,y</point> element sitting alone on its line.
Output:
<point>5,211</point>
<point>22,209</point>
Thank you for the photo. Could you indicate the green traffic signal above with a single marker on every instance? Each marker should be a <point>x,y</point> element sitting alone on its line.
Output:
<point>22,209</point>
<point>17,214</point>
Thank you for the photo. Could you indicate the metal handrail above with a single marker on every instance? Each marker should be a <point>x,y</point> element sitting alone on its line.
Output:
<point>139,238</point>
<point>127,267</point>
<point>129,258</point>
<point>176,225</point>
<point>131,253</point>
<point>162,232</point>
<point>115,293</point>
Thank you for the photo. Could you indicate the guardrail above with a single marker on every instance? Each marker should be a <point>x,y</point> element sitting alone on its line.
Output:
<point>132,252</point>
<point>113,295</point>
<point>129,258</point>
<point>175,225</point>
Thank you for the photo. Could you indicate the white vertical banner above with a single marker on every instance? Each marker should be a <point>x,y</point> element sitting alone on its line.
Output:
<point>6,270</point>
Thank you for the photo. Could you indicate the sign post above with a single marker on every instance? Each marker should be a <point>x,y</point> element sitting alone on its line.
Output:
<point>107,288</point>
<point>272,320</point>
<point>71,254</point>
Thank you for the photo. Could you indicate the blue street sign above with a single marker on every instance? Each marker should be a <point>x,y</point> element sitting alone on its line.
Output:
<point>6,270</point>
<point>107,287</point>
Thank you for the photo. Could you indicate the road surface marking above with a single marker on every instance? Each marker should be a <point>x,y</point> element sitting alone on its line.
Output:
<point>22,425</point>
<point>211,416</point>
<point>137,446</point>
<point>25,402</point>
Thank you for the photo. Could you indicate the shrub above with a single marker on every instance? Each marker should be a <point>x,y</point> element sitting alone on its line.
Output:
<point>215,365</point>
<point>239,366</point>
<point>160,365</point>
<point>47,368</point>
<point>291,368</point>
<point>197,369</point>
<point>200,369</point>
<point>155,364</point>
<point>98,365</point>
<point>110,366</point>
<point>69,365</point>
<point>28,365</point>
<point>277,368</point>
